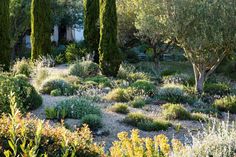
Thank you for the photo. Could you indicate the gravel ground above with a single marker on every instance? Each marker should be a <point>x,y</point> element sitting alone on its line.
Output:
<point>112,124</point>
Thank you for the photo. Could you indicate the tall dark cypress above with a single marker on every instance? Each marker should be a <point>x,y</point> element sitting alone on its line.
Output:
<point>5,52</point>
<point>91,26</point>
<point>110,57</point>
<point>41,28</point>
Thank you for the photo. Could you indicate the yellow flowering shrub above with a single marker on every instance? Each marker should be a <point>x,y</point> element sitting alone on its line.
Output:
<point>134,146</point>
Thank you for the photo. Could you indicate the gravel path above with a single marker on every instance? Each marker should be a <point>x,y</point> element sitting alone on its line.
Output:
<point>112,124</point>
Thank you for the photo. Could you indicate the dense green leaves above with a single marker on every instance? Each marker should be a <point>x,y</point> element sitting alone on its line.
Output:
<point>110,57</point>
<point>91,26</point>
<point>4,34</point>
<point>40,28</point>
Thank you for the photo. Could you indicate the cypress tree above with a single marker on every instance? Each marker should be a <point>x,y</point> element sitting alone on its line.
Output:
<point>91,26</point>
<point>110,57</point>
<point>5,54</point>
<point>40,28</point>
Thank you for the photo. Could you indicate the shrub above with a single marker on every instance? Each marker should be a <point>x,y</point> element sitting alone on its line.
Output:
<point>138,102</point>
<point>135,146</point>
<point>35,137</point>
<point>217,139</point>
<point>75,108</point>
<point>74,52</point>
<point>145,86</point>
<point>132,77</point>
<point>26,96</point>
<point>58,84</point>
<point>120,108</point>
<point>56,92</point>
<point>145,123</point>
<point>227,103</point>
<point>199,116</point>
<point>175,111</point>
<point>84,69</point>
<point>23,66</point>
<point>93,121</point>
<point>135,118</point>
<point>173,94</point>
<point>22,77</point>
<point>41,75</point>
<point>153,125</point>
<point>216,88</point>
<point>178,79</point>
<point>101,80</point>
<point>118,94</point>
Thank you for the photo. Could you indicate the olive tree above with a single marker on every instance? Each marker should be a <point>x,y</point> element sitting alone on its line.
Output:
<point>152,25</point>
<point>206,30</point>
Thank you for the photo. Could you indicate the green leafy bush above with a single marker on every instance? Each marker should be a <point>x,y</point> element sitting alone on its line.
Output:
<point>153,125</point>
<point>75,51</point>
<point>58,84</point>
<point>75,108</point>
<point>146,86</point>
<point>145,123</point>
<point>175,111</point>
<point>56,92</point>
<point>173,94</point>
<point>227,104</point>
<point>216,88</point>
<point>26,96</point>
<point>118,94</point>
<point>101,80</point>
<point>138,102</point>
<point>23,66</point>
<point>120,108</point>
<point>84,69</point>
<point>22,77</point>
<point>93,121</point>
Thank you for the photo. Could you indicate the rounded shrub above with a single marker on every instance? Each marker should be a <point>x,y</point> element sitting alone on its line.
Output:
<point>75,51</point>
<point>227,104</point>
<point>100,80</point>
<point>93,121</point>
<point>145,86</point>
<point>153,125</point>
<point>120,108</point>
<point>27,97</point>
<point>135,118</point>
<point>22,77</point>
<point>58,84</point>
<point>216,88</point>
<point>23,66</point>
<point>118,94</point>
<point>84,69</point>
<point>172,93</point>
<point>77,108</point>
<point>138,102</point>
<point>175,111</point>
<point>145,123</point>
<point>56,92</point>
